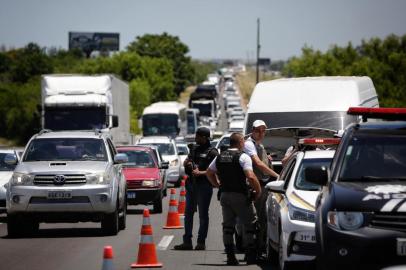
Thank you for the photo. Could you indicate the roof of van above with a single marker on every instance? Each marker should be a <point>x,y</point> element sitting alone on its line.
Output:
<point>164,107</point>
<point>312,94</point>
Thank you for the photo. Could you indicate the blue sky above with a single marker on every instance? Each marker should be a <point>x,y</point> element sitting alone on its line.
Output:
<point>211,28</point>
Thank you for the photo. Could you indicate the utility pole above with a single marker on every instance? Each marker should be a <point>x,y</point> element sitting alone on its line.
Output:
<point>258,48</point>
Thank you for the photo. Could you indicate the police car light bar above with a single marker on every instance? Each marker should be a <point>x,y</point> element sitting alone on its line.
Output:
<point>319,141</point>
<point>378,113</point>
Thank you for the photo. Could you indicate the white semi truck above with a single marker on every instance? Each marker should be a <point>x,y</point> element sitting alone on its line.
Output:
<point>86,102</point>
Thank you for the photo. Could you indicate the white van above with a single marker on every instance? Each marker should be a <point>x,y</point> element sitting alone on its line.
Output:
<point>309,102</point>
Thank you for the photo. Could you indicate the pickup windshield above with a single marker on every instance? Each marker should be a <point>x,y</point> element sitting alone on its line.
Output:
<point>66,149</point>
<point>71,118</point>
<point>375,157</point>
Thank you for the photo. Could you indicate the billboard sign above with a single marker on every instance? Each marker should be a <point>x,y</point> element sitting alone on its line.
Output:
<point>88,41</point>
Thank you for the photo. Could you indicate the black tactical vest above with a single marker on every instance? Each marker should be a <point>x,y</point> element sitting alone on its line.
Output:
<point>201,158</point>
<point>231,175</point>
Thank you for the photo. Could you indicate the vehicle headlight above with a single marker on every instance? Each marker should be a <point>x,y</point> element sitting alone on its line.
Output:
<point>348,221</point>
<point>150,183</point>
<point>20,179</point>
<point>296,213</point>
<point>174,162</point>
<point>98,178</point>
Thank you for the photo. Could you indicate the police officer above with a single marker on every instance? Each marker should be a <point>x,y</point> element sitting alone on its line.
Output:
<point>198,189</point>
<point>263,170</point>
<point>234,168</point>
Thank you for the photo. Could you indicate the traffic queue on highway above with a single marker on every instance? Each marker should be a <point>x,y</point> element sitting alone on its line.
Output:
<point>338,200</point>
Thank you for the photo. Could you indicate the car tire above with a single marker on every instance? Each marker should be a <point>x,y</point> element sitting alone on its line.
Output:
<point>14,228</point>
<point>283,265</point>
<point>158,205</point>
<point>122,221</point>
<point>110,222</point>
<point>271,253</point>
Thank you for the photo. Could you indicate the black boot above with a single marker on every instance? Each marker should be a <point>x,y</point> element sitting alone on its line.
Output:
<point>231,259</point>
<point>239,243</point>
<point>251,256</point>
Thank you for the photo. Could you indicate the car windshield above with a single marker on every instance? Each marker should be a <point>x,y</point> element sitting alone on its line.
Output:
<point>4,167</point>
<point>182,148</point>
<point>72,149</point>
<point>138,159</point>
<point>375,157</point>
<point>300,182</point>
<point>164,148</point>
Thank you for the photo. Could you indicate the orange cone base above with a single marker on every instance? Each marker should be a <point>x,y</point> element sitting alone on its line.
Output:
<point>146,257</point>
<point>173,227</point>
<point>137,265</point>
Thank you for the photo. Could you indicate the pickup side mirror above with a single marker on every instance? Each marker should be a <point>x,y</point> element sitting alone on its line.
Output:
<point>276,186</point>
<point>316,175</point>
<point>120,158</point>
<point>10,159</point>
<point>165,165</point>
<point>115,120</point>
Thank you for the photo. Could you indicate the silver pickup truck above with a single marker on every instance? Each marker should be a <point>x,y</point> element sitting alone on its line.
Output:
<point>73,176</point>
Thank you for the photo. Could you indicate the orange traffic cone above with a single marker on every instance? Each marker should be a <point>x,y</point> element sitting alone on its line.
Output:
<point>173,220</point>
<point>182,198</point>
<point>146,250</point>
<point>107,258</point>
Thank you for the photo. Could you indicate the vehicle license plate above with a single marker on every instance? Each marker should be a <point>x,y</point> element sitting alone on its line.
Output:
<point>401,246</point>
<point>307,237</point>
<point>60,194</point>
<point>131,195</point>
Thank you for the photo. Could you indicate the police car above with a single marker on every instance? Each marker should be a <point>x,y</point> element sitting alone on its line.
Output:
<point>291,205</point>
<point>361,211</point>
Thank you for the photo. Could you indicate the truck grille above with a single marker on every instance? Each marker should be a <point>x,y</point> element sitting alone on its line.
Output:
<point>70,179</point>
<point>389,221</point>
<point>134,184</point>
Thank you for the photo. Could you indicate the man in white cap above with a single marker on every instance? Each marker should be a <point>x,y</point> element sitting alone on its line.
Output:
<point>262,168</point>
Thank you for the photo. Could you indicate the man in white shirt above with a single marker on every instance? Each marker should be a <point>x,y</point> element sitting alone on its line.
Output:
<point>262,168</point>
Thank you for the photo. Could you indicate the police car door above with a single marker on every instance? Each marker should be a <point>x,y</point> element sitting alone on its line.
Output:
<point>277,202</point>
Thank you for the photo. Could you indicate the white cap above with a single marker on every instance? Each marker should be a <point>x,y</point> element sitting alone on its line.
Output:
<point>258,123</point>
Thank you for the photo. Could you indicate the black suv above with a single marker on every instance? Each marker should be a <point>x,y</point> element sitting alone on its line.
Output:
<point>361,211</point>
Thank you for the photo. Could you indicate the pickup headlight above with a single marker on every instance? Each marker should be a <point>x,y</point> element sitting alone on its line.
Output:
<point>296,213</point>
<point>20,179</point>
<point>98,178</point>
<point>174,162</point>
<point>150,183</point>
<point>347,221</point>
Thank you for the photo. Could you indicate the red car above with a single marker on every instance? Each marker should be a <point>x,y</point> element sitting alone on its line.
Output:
<point>145,175</point>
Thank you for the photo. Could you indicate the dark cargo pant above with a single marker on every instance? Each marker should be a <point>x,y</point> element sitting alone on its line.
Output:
<point>235,205</point>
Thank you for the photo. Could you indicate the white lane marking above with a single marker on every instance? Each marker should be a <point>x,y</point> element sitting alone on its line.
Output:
<point>165,241</point>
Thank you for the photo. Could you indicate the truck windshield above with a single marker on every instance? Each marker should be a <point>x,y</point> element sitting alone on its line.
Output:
<point>375,157</point>
<point>79,118</point>
<point>160,124</point>
<point>72,149</point>
<point>301,182</point>
<point>204,108</point>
